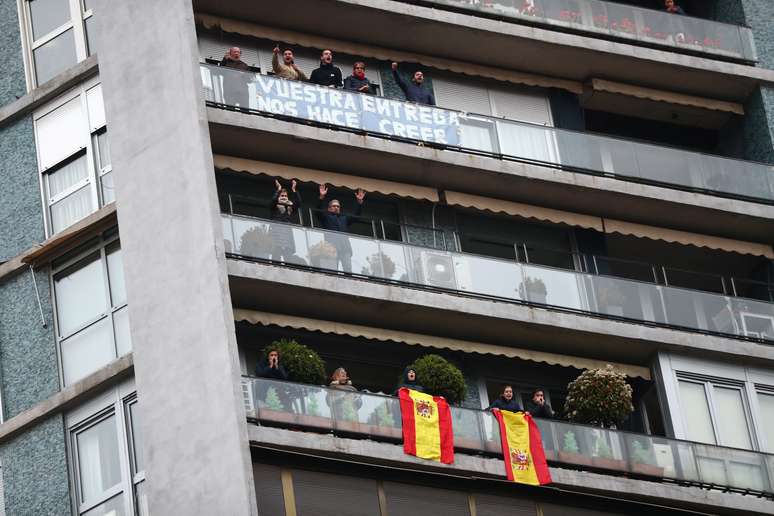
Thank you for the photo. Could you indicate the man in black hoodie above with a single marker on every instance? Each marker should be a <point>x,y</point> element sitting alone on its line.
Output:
<point>327,74</point>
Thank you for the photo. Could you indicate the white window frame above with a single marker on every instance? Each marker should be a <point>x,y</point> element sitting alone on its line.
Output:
<point>90,129</point>
<point>77,22</point>
<point>116,403</point>
<point>100,245</point>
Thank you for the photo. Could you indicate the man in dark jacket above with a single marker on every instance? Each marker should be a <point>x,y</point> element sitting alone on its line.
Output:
<point>671,7</point>
<point>358,81</point>
<point>333,220</point>
<point>271,368</point>
<point>507,401</point>
<point>414,91</point>
<point>538,406</point>
<point>327,74</point>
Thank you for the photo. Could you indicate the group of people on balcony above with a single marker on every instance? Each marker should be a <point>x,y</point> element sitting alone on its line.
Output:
<point>538,407</point>
<point>329,75</point>
<point>285,207</point>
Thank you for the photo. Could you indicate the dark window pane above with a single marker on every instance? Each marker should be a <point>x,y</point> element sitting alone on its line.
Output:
<point>47,15</point>
<point>89,22</point>
<point>55,56</point>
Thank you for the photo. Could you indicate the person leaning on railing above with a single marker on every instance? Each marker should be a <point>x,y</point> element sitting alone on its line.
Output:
<point>286,69</point>
<point>358,80</point>
<point>235,85</point>
<point>271,367</point>
<point>410,381</point>
<point>671,7</point>
<point>507,401</point>
<point>344,408</point>
<point>414,91</point>
<point>233,59</point>
<point>332,219</point>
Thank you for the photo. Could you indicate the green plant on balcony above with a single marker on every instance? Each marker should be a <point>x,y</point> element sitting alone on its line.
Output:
<point>570,443</point>
<point>533,289</point>
<point>379,264</point>
<point>323,254</point>
<point>599,397</point>
<point>439,377</point>
<point>302,364</point>
<point>641,455</point>
<point>272,399</point>
<point>382,416</point>
<point>603,449</point>
<point>313,406</point>
<point>256,242</point>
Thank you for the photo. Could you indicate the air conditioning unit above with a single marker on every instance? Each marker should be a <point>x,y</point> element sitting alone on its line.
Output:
<point>760,326</point>
<point>437,269</point>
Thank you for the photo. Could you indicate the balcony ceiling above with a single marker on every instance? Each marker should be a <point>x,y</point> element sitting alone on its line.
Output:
<point>507,45</point>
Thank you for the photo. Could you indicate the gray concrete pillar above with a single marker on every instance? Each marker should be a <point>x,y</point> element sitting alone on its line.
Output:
<point>186,365</point>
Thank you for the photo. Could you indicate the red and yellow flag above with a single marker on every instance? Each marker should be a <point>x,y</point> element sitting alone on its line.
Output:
<point>427,426</point>
<point>525,460</point>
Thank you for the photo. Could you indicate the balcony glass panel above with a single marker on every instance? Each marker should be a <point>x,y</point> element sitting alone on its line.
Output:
<point>378,417</point>
<point>497,278</point>
<point>627,22</point>
<point>575,151</point>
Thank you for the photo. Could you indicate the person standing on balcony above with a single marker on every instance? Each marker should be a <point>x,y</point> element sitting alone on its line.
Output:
<point>671,7</point>
<point>507,401</point>
<point>235,84</point>
<point>415,91</point>
<point>233,59</point>
<point>286,69</point>
<point>283,209</point>
<point>327,74</point>
<point>332,219</point>
<point>271,367</point>
<point>409,381</point>
<point>538,406</point>
<point>358,81</point>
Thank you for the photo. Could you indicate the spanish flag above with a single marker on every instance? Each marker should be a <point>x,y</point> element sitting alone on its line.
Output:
<point>525,460</point>
<point>427,426</point>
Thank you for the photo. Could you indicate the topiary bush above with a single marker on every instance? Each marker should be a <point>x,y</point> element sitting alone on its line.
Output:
<point>440,378</point>
<point>302,364</point>
<point>599,397</point>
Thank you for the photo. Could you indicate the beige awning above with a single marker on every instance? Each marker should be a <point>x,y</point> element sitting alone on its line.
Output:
<point>429,341</point>
<point>358,49</point>
<point>523,210</point>
<point>683,237</point>
<point>308,175</point>
<point>666,106</point>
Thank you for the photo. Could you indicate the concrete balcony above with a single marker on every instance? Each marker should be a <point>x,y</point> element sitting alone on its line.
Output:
<point>388,284</point>
<point>365,424</point>
<point>488,156</point>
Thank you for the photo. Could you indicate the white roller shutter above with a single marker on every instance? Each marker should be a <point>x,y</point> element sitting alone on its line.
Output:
<point>520,104</point>
<point>462,95</point>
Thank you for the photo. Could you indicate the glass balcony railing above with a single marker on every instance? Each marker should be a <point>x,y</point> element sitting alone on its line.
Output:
<point>640,25</point>
<point>378,417</point>
<point>603,296</point>
<point>485,135</point>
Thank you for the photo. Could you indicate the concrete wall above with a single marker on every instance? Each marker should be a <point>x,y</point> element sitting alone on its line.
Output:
<point>28,359</point>
<point>35,473</point>
<point>21,215</point>
<point>12,83</point>
<point>759,126</point>
<point>182,326</point>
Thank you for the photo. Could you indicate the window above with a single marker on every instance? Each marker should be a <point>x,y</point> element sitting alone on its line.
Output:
<point>766,411</point>
<point>105,452</point>
<point>715,412</point>
<point>91,313</point>
<point>59,35</point>
<point>73,156</point>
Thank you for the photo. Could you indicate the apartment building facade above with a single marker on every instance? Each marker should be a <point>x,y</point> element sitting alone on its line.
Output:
<point>593,186</point>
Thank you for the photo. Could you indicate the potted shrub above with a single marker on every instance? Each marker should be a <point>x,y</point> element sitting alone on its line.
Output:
<point>603,456</point>
<point>311,416</point>
<point>274,410</point>
<point>534,290</point>
<point>256,242</point>
<point>643,461</point>
<point>440,378</point>
<point>324,256</point>
<point>383,422</point>
<point>570,453</point>
<point>599,397</point>
<point>379,265</point>
<point>344,406</point>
